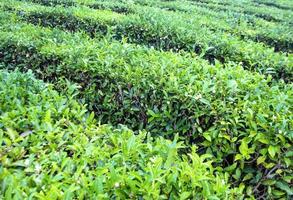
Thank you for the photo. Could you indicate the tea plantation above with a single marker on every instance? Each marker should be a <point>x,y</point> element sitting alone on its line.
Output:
<point>146,99</point>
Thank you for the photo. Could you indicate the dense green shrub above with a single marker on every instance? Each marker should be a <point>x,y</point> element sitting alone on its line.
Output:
<point>73,18</point>
<point>164,30</point>
<point>54,2</point>
<point>51,149</point>
<point>115,6</point>
<point>283,4</point>
<point>230,113</point>
<point>267,13</point>
<point>276,35</point>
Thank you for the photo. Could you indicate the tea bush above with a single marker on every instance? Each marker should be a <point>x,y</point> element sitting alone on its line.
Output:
<point>273,34</point>
<point>227,129</point>
<point>283,4</point>
<point>163,30</point>
<point>240,118</point>
<point>267,13</point>
<point>52,149</point>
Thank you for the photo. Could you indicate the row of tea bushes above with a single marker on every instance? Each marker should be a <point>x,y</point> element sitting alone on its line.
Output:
<point>281,4</point>
<point>129,6</point>
<point>264,12</point>
<point>276,35</point>
<point>268,4</point>
<point>53,2</point>
<point>116,6</point>
<point>230,113</point>
<point>52,149</point>
<point>163,30</point>
<point>71,18</point>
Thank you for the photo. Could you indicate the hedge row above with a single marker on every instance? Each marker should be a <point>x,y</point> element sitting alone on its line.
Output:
<point>115,6</point>
<point>228,112</point>
<point>276,35</point>
<point>163,30</point>
<point>53,2</point>
<point>285,5</point>
<point>71,18</point>
<point>52,149</point>
<point>264,12</point>
<point>263,4</point>
<point>119,7</point>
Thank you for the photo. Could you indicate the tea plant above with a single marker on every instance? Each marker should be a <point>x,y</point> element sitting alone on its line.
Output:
<point>52,149</point>
<point>163,30</point>
<point>200,128</point>
<point>228,112</point>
